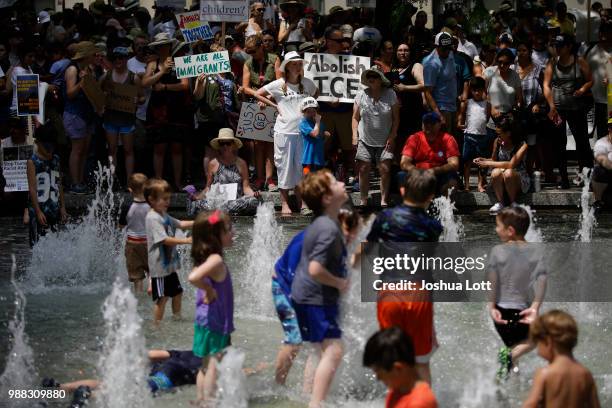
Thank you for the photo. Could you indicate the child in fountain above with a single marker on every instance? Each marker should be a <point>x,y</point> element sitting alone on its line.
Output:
<point>321,276</point>
<point>214,317</point>
<point>514,269</point>
<point>412,311</point>
<point>564,383</point>
<point>161,246</point>
<point>136,256</point>
<point>390,354</point>
<point>47,206</point>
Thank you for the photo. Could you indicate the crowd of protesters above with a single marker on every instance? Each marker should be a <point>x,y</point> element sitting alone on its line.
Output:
<point>421,106</point>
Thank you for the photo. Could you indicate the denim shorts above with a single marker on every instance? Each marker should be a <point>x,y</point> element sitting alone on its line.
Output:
<point>76,127</point>
<point>286,314</point>
<point>118,129</point>
<point>476,146</point>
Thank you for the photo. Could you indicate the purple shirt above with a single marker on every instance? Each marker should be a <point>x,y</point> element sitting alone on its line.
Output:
<point>217,316</point>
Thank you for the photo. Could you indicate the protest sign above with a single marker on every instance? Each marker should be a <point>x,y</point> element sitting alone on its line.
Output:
<point>93,92</point>
<point>192,27</point>
<point>121,97</point>
<point>15,167</point>
<point>338,77</point>
<point>256,123</point>
<point>173,4</point>
<point>361,3</point>
<point>194,65</point>
<point>28,101</point>
<point>230,11</point>
<point>225,192</point>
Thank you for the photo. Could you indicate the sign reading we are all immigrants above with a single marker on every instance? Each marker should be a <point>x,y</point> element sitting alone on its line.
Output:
<point>195,65</point>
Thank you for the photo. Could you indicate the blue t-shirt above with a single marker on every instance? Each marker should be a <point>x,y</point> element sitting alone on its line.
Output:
<point>314,147</point>
<point>287,264</point>
<point>441,76</point>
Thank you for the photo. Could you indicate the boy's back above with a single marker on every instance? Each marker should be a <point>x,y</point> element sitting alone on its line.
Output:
<point>405,224</point>
<point>135,220</point>
<point>567,384</point>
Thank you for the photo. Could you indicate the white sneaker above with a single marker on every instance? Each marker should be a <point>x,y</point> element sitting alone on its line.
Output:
<point>497,207</point>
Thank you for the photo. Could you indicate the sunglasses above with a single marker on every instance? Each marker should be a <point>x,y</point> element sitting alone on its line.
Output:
<point>261,9</point>
<point>226,143</point>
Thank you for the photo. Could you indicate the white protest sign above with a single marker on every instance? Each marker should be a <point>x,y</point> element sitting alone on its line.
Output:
<point>229,11</point>
<point>338,77</point>
<point>15,173</point>
<point>361,3</point>
<point>256,123</point>
<point>192,28</point>
<point>194,65</point>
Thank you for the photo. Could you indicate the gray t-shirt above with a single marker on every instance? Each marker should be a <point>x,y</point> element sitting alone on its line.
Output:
<point>502,93</point>
<point>323,243</point>
<point>518,267</point>
<point>376,116</point>
<point>163,259</point>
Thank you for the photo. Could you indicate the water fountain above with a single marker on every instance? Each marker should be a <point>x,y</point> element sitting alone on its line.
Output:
<point>122,363</point>
<point>534,234</point>
<point>453,228</point>
<point>232,390</point>
<point>587,214</point>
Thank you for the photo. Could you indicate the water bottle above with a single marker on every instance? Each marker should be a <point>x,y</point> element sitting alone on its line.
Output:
<point>537,181</point>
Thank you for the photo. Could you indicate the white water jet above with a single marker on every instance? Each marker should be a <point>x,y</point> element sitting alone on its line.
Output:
<point>123,364</point>
<point>534,234</point>
<point>264,251</point>
<point>453,228</point>
<point>19,372</point>
<point>587,215</point>
<point>232,389</point>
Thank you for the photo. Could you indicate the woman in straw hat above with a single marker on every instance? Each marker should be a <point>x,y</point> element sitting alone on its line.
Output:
<point>226,168</point>
<point>79,113</point>
<point>167,109</point>
<point>287,94</point>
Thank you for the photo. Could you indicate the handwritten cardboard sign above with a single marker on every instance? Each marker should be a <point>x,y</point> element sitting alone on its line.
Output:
<point>209,63</point>
<point>28,100</point>
<point>192,28</point>
<point>15,167</point>
<point>121,97</point>
<point>230,11</point>
<point>338,77</point>
<point>93,92</point>
<point>256,123</point>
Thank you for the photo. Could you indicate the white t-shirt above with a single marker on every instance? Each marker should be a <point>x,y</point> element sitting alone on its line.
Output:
<point>289,114</point>
<point>468,48</point>
<point>367,33</point>
<point>597,59</point>
<point>138,67</point>
<point>476,117</point>
<point>502,94</point>
<point>603,147</point>
<point>18,70</point>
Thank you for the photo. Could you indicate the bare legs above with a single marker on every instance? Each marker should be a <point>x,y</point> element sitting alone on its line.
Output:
<point>506,180</point>
<point>284,361</point>
<point>331,357</point>
<point>112,139</point>
<point>159,154</point>
<point>384,168</point>
<point>160,307</point>
<point>78,156</point>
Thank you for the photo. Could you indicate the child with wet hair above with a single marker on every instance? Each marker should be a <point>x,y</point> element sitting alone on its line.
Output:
<point>564,383</point>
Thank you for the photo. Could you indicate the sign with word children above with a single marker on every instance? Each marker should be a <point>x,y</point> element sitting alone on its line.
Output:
<point>229,11</point>
<point>193,28</point>
<point>15,167</point>
<point>338,77</point>
<point>195,65</point>
<point>361,3</point>
<point>256,123</point>
<point>28,100</point>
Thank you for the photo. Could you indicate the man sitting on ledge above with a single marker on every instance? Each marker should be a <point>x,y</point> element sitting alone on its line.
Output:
<point>433,149</point>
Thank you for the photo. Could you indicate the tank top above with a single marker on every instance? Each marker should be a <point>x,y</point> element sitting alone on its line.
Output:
<point>565,81</point>
<point>261,74</point>
<point>117,117</point>
<point>227,174</point>
<point>218,316</point>
<point>47,185</point>
<point>79,105</point>
<point>411,108</point>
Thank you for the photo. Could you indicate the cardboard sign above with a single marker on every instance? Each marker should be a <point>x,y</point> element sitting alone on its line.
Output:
<point>338,77</point>
<point>173,4</point>
<point>93,92</point>
<point>121,97</point>
<point>192,28</point>
<point>229,11</point>
<point>361,3</point>
<point>194,65</point>
<point>256,123</point>
<point>28,100</point>
<point>15,167</point>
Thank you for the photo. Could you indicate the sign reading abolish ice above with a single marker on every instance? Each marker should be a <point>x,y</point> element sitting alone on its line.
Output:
<point>230,11</point>
<point>192,27</point>
<point>256,123</point>
<point>194,65</point>
<point>336,76</point>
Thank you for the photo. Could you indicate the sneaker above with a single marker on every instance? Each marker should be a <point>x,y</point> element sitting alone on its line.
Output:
<point>306,211</point>
<point>504,358</point>
<point>272,187</point>
<point>497,207</point>
<point>81,397</point>
<point>48,382</point>
<point>79,189</point>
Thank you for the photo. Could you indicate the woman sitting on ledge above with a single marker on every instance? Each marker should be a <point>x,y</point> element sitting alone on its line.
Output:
<point>227,168</point>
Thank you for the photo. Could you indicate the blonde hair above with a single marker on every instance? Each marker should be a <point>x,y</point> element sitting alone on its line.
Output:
<point>136,182</point>
<point>559,326</point>
<point>255,40</point>
<point>155,188</point>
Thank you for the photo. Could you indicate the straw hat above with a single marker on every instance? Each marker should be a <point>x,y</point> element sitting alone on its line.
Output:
<point>162,39</point>
<point>375,70</point>
<point>290,57</point>
<point>225,134</point>
<point>84,49</point>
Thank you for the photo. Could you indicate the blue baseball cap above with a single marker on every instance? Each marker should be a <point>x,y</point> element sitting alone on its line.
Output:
<point>431,118</point>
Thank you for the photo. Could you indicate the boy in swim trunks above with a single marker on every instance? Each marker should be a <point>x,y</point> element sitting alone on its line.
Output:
<point>514,268</point>
<point>390,354</point>
<point>412,311</point>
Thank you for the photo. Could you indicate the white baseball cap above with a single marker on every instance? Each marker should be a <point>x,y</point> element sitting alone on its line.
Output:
<point>309,102</point>
<point>43,17</point>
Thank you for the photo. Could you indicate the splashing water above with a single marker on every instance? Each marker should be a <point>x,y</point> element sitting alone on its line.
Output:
<point>232,380</point>
<point>19,372</point>
<point>83,253</point>
<point>263,252</point>
<point>453,228</point>
<point>122,363</point>
<point>587,215</point>
<point>534,234</point>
